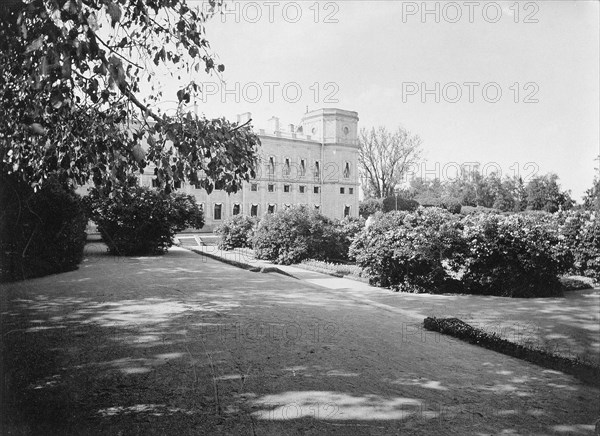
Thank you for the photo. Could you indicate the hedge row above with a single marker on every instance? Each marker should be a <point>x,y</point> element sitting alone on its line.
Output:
<point>433,250</point>
<point>291,235</point>
<point>461,330</point>
<point>579,231</point>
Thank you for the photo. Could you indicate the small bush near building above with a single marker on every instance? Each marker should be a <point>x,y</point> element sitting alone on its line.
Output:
<point>297,233</point>
<point>413,252</point>
<point>236,232</point>
<point>135,220</point>
<point>41,232</point>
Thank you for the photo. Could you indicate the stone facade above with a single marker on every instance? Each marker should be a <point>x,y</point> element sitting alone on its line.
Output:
<point>315,164</point>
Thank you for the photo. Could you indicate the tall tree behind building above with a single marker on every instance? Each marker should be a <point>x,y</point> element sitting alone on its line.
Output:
<point>385,158</point>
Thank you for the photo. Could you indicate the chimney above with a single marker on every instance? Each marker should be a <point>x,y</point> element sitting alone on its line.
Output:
<point>274,124</point>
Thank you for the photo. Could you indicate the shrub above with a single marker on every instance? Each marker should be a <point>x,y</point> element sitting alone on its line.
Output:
<point>135,220</point>
<point>41,233</point>
<point>399,203</point>
<point>347,230</point>
<point>369,207</point>
<point>512,256</point>
<point>412,252</point>
<point>579,231</point>
<point>236,232</point>
<point>297,233</point>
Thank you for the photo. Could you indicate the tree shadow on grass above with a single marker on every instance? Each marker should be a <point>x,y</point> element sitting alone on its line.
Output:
<point>178,344</point>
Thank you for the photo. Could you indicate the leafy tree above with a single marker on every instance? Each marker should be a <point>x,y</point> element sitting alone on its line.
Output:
<point>71,94</point>
<point>591,201</point>
<point>385,157</point>
<point>544,193</point>
<point>41,232</point>
<point>462,188</point>
<point>504,199</point>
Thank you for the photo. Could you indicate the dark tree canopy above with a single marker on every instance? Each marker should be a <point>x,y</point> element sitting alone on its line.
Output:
<point>72,77</point>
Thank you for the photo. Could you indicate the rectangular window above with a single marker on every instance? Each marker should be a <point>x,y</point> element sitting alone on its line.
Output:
<point>254,210</point>
<point>286,168</point>
<point>286,188</point>
<point>350,191</point>
<point>254,187</point>
<point>301,189</point>
<point>217,211</point>
<point>155,183</point>
<point>316,189</point>
<point>271,188</point>
<point>346,211</point>
<point>236,209</point>
<point>342,190</point>
<point>302,167</point>
<point>317,171</point>
<point>271,208</point>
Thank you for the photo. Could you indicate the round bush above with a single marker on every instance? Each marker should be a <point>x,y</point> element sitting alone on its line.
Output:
<point>135,220</point>
<point>579,231</point>
<point>236,232</point>
<point>41,232</point>
<point>511,256</point>
<point>414,252</point>
<point>297,233</point>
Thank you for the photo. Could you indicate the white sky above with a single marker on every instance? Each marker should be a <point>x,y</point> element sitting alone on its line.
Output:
<point>376,55</point>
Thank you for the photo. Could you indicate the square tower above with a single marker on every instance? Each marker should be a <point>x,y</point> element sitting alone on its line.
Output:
<point>331,126</point>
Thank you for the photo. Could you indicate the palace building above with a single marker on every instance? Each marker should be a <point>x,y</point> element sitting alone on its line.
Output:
<point>314,164</point>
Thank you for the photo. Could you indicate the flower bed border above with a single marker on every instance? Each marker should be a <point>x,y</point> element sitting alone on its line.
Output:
<point>457,328</point>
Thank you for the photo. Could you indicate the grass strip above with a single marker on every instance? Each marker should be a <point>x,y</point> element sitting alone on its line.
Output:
<point>457,328</point>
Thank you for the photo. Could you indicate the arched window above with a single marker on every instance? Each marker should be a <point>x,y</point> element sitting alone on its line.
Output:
<point>271,167</point>
<point>347,170</point>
